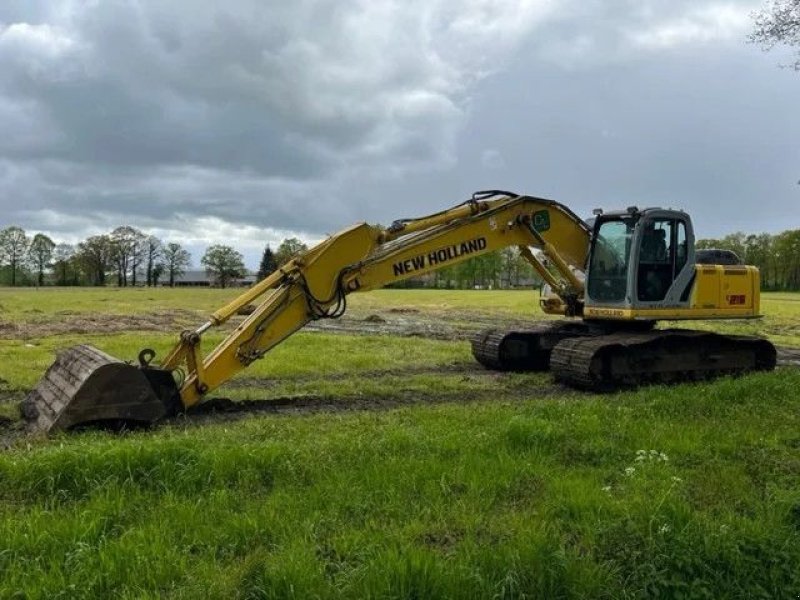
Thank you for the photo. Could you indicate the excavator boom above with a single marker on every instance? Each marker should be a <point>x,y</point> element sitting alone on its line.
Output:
<point>85,385</point>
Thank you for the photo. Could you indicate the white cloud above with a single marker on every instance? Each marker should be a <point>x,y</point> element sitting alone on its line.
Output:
<point>252,119</point>
<point>699,25</point>
<point>157,110</point>
<point>40,39</point>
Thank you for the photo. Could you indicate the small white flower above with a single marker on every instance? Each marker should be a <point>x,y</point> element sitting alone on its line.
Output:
<point>629,471</point>
<point>651,455</point>
<point>664,528</point>
<point>676,479</point>
<point>606,488</point>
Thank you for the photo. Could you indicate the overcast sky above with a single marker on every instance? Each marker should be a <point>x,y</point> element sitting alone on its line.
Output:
<point>248,121</point>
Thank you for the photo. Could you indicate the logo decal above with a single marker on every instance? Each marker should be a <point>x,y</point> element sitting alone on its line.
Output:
<point>541,220</point>
<point>437,257</point>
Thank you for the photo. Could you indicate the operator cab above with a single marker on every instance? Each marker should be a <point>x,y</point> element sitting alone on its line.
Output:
<point>641,258</point>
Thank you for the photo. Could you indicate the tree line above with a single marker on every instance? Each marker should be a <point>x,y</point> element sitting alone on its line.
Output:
<point>129,257</point>
<point>126,256</point>
<point>503,269</point>
<point>776,256</point>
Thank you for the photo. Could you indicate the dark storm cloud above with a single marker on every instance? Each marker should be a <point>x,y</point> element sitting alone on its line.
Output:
<point>252,119</point>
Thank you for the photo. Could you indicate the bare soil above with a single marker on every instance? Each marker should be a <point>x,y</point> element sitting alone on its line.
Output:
<point>225,409</point>
<point>788,357</point>
<point>412,323</point>
<point>67,322</point>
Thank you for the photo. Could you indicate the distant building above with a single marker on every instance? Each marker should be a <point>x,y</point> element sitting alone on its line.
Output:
<point>202,279</point>
<point>191,279</point>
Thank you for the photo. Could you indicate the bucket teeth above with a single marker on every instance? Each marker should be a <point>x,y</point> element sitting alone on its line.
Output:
<point>86,386</point>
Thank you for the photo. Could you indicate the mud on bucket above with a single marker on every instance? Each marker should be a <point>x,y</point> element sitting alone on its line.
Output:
<point>86,386</point>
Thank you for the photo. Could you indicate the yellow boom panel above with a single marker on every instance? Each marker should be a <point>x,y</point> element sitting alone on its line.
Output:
<point>365,257</point>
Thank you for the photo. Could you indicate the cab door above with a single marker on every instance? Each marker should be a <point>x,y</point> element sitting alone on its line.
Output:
<point>664,265</point>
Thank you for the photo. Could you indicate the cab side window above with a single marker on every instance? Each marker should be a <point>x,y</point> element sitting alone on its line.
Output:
<point>663,254</point>
<point>681,249</point>
<point>656,260</point>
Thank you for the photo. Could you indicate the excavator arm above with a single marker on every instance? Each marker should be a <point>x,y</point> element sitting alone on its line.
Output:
<point>84,384</point>
<point>365,257</point>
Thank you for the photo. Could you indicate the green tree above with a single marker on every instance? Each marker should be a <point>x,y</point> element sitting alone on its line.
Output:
<point>787,254</point>
<point>41,255</point>
<point>174,261</point>
<point>155,275</point>
<point>63,256</point>
<point>288,249</point>
<point>152,254</point>
<point>127,248</point>
<point>224,264</point>
<point>758,251</point>
<point>779,23</point>
<point>96,256</point>
<point>268,264</point>
<point>13,249</point>
<point>514,268</point>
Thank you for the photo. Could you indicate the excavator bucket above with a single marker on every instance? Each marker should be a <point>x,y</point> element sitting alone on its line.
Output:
<point>87,387</point>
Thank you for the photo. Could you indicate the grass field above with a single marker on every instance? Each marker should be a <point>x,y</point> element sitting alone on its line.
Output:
<point>386,466</point>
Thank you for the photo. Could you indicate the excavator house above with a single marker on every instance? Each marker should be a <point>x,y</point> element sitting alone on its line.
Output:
<point>611,281</point>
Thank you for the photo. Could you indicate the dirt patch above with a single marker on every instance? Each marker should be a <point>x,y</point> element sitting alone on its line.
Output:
<point>67,322</point>
<point>450,326</point>
<point>11,430</point>
<point>788,357</point>
<point>247,309</point>
<point>225,409</point>
<point>375,319</point>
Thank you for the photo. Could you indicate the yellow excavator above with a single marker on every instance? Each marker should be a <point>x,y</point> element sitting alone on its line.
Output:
<point>612,280</point>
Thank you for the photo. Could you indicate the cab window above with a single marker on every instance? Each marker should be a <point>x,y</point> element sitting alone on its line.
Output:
<point>662,255</point>
<point>608,268</point>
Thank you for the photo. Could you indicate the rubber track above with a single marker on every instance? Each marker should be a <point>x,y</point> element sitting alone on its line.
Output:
<point>491,347</point>
<point>618,360</point>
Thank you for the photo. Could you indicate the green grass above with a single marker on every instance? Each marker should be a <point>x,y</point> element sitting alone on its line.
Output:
<point>533,498</point>
<point>35,303</point>
<point>302,355</point>
<point>454,483</point>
